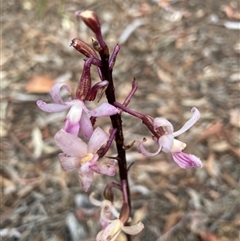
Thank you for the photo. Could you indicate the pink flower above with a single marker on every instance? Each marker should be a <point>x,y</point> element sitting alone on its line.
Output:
<point>78,114</point>
<point>168,144</point>
<point>114,227</point>
<point>107,207</point>
<point>111,232</point>
<point>79,155</point>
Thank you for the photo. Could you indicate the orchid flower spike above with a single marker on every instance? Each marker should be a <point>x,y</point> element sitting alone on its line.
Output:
<point>168,144</point>
<point>78,115</point>
<point>114,227</point>
<point>79,155</point>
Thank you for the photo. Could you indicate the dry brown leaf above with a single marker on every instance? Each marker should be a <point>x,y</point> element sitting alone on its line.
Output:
<point>171,220</point>
<point>140,214</point>
<point>206,236</point>
<point>236,151</point>
<point>221,146</point>
<point>7,185</point>
<point>213,129</point>
<point>39,84</point>
<point>231,13</point>
<point>157,167</point>
<point>229,179</point>
<point>164,3</point>
<point>235,117</point>
<point>211,166</point>
<point>167,66</point>
<point>164,76</point>
<point>172,198</point>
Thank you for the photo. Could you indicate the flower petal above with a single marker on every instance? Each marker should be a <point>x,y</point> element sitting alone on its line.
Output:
<point>86,126</point>
<point>85,177</point>
<point>107,211</point>
<point>97,139</point>
<point>110,233</point>
<point>162,122</point>
<point>95,201</point>
<point>142,149</point>
<point>72,122</point>
<point>104,168</point>
<point>134,229</point>
<point>186,160</point>
<point>69,163</point>
<point>72,127</point>
<point>166,142</point>
<point>195,117</point>
<point>70,145</point>
<point>55,92</point>
<point>52,107</point>
<point>104,109</point>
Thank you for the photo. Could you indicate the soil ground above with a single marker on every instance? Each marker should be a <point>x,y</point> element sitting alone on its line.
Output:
<point>184,53</point>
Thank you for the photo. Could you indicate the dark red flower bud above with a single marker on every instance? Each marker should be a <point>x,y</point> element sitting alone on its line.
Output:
<point>91,20</point>
<point>83,48</point>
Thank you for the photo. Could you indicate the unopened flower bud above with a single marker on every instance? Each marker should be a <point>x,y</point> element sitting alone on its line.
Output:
<point>84,84</point>
<point>83,48</point>
<point>91,20</point>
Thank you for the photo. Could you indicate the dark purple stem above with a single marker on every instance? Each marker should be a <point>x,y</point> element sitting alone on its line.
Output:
<point>116,123</point>
<point>146,119</point>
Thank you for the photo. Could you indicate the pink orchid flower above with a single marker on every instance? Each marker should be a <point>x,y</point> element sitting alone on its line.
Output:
<point>107,207</point>
<point>168,144</point>
<point>78,114</point>
<point>114,227</point>
<point>79,155</point>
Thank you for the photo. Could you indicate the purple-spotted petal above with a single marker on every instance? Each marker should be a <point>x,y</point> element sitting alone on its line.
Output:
<point>97,139</point>
<point>55,92</point>
<point>70,145</point>
<point>85,178</point>
<point>186,160</point>
<point>108,169</point>
<point>104,109</point>
<point>86,126</point>
<point>166,142</point>
<point>52,107</point>
<point>195,117</point>
<point>161,122</point>
<point>69,163</point>
<point>142,149</point>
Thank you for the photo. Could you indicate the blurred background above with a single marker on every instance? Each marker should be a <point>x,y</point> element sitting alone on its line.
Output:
<point>183,53</point>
